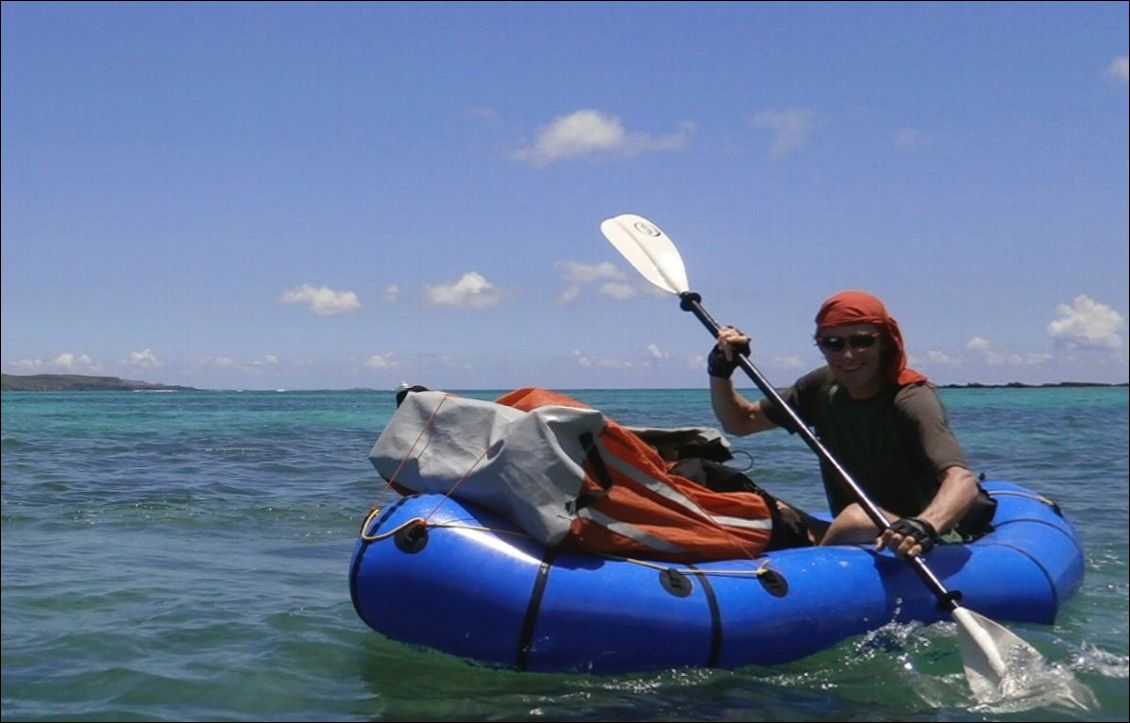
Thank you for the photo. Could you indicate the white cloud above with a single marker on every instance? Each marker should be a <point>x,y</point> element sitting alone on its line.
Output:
<point>322,300</point>
<point>906,138</point>
<point>940,357</point>
<point>569,295</point>
<point>978,343</point>
<point>1088,324</point>
<point>391,293</point>
<point>71,361</point>
<point>577,274</point>
<point>1119,68</point>
<point>791,128</point>
<point>656,352</point>
<point>255,366</point>
<point>143,358</point>
<point>618,290</point>
<point>381,361</point>
<point>1014,359</point>
<point>599,362</point>
<point>470,291</point>
<point>696,361</point>
<point>587,131</point>
<point>790,362</point>
<point>995,357</point>
<point>28,363</point>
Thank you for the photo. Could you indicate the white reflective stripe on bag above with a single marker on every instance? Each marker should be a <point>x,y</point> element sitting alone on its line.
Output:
<point>630,531</point>
<point>665,490</point>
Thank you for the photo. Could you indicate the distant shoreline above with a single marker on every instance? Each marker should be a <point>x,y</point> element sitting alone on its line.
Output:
<point>83,383</point>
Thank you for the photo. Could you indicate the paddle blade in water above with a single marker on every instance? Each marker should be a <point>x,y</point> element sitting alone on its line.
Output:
<point>648,249</point>
<point>1005,672</point>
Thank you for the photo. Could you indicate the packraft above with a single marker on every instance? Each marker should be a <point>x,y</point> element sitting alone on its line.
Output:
<point>567,476</point>
<point>449,575</point>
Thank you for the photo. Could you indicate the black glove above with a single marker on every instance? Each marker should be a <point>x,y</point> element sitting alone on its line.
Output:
<point>717,365</point>
<point>921,530</point>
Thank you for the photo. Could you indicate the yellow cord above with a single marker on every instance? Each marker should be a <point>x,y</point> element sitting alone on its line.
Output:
<point>421,521</point>
<point>762,569</point>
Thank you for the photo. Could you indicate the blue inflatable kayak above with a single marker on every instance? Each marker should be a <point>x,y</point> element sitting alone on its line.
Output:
<point>436,572</point>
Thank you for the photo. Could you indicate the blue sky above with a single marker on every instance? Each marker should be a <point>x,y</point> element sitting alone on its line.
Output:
<point>328,195</point>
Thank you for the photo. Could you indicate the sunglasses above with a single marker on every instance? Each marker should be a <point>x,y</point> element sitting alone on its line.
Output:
<point>857,342</point>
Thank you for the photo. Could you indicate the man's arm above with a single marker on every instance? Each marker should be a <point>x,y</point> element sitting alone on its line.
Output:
<point>957,490</point>
<point>736,413</point>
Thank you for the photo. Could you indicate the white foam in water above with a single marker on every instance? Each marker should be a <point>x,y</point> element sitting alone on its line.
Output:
<point>1027,682</point>
<point>1093,659</point>
<point>1030,682</point>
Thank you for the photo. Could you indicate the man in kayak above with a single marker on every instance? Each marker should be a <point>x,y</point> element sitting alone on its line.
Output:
<point>882,421</point>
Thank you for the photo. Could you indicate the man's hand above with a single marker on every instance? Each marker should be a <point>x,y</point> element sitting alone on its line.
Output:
<point>908,537</point>
<point>723,358</point>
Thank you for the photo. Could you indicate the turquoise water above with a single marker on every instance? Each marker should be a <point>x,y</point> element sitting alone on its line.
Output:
<point>185,556</point>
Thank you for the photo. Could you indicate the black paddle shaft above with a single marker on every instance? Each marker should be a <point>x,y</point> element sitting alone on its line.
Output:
<point>691,301</point>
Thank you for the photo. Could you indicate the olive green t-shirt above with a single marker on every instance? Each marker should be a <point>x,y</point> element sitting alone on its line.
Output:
<point>894,445</point>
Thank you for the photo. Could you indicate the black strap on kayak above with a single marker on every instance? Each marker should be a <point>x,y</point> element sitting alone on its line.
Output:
<point>592,456</point>
<point>715,620</point>
<point>530,622</point>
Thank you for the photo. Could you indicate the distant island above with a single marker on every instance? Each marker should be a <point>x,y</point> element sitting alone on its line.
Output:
<point>81,383</point>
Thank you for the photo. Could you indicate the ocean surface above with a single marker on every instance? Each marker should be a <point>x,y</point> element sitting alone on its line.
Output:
<point>185,556</point>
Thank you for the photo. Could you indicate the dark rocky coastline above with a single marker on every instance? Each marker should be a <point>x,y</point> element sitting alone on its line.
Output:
<point>81,383</point>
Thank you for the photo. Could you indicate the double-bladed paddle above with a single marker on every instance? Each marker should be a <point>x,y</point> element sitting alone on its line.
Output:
<point>989,650</point>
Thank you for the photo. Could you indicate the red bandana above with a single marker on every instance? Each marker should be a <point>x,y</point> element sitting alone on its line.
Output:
<point>859,307</point>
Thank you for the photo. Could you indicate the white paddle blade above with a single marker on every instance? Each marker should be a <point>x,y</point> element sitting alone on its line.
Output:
<point>1003,668</point>
<point>984,651</point>
<point>648,249</point>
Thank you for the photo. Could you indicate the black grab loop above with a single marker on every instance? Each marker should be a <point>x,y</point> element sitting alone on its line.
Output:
<point>774,583</point>
<point>676,582</point>
<point>412,538</point>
